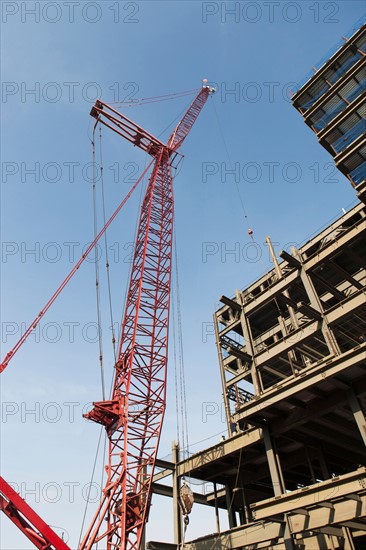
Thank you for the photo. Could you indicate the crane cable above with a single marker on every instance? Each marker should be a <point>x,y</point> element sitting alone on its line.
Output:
<point>230,163</point>
<point>154,99</point>
<point>180,370</point>
<point>90,485</point>
<point>99,308</point>
<point>128,278</point>
<point>246,218</point>
<point>96,262</point>
<point>180,384</point>
<point>176,377</point>
<point>107,264</point>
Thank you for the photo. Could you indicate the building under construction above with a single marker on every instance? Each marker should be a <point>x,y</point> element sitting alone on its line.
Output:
<point>291,472</point>
<point>292,356</point>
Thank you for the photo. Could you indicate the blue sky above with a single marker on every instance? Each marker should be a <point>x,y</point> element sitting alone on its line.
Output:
<point>287,183</point>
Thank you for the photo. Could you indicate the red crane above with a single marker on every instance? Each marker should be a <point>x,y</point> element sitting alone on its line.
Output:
<point>133,416</point>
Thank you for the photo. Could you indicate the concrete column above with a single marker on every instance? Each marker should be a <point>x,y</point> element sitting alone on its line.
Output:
<point>230,507</point>
<point>246,509</point>
<point>249,344</point>
<point>316,304</point>
<point>279,275</point>
<point>277,482</point>
<point>348,539</point>
<point>357,413</point>
<point>273,464</point>
<point>217,510</point>
<point>223,378</point>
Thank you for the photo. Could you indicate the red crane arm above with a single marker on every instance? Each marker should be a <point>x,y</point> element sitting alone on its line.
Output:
<point>185,125</point>
<point>35,322</point>
<point>26,519</point>
<point>134,415</point>
<point>126,128</point>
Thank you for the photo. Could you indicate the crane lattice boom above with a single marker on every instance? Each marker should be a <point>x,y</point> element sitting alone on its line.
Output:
<point>133,416</point>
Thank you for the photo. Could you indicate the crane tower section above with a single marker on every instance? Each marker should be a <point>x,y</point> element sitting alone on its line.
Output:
<point>133,416</point>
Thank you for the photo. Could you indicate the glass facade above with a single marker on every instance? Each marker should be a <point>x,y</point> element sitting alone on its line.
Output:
<point>332,101</point>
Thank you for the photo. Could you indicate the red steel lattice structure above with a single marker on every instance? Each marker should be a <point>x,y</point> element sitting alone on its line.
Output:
<point>133,416</point>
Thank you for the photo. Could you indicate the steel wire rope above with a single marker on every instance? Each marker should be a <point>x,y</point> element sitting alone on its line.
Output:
<point>154,99</point>
<point>90,486</point>
<point>108,286</point>
<point>230,505</point>
<point>182,382</point>
<point>96,262</point>
<point>101,431</point>
<point>230,162</point>
<point>246,218</point>
<point>176,377</point>
<point>106,247</point>
<point>181,373</point>
<point>97,285</point>
<point>142,190</point>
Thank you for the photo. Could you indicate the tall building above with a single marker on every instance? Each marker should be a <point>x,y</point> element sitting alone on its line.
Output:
<point>331,99</point>
<point>291,473</point>
<point>292,352</point>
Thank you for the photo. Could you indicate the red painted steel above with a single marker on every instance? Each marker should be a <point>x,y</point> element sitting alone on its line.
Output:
<point>133,417</point>
<point>92,245</point>
<point>26,519</point>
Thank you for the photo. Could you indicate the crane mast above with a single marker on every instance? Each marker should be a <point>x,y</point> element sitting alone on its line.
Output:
<point>134,414</point>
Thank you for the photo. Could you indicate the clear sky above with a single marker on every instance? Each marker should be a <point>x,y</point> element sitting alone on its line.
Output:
<point>56,57</point>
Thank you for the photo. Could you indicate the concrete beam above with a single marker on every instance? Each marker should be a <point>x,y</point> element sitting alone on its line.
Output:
<point>316,495</point>
<point>192,465</point>
<point>311,376</point>
<point>231,303</point>
<point>240,537</point>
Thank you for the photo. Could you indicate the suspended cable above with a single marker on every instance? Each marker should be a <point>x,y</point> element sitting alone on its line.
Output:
<point>154,99</point>
<point>183,394</point>
<point>176,373</point>
<point>90,486</point>
<point>250,232</point>
<point>142,189</point>
<point>96,263</point>
<point>103,472</point>
<point>106,247</point>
